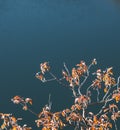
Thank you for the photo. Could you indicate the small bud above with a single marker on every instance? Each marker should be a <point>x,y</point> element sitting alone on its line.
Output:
<point>94,62</point>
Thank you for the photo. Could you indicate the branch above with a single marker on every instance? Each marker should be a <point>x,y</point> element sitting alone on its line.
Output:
<point>109,91</point>
<point>66,69</point>
<point>59,81</point>
<point>114,120</point>
<point>106,93</point>
<point>118,82</point>
<point>103,106</point>
<point>31,111</point>
<point>98,93</point>
<point>86,77</point>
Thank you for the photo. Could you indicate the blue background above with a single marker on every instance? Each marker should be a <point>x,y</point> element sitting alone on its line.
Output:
<point>34,31</point>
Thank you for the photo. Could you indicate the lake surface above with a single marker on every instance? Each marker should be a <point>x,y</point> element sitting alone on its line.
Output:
<point>34,31</point>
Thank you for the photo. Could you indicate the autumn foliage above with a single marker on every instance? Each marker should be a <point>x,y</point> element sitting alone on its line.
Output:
<point>78,115</point>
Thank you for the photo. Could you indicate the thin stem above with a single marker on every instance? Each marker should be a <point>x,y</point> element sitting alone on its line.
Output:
<point>86,77</point>
<point>66,69</point>
<point>114,120</point>
<point>57,79</point>
<point>95,103</point>
<point>62,78</point>
<point>74,93</point>
<point>108,96</point>
<point>118,82</point>
<point>49,102</point>
<point>82,85</point>
<point>115,125</point>
<point>106,93</point>
<point>48,80</point>
<point>101,110</point>
<point>30,110</point>
<point>83,114</point>
<point>88,89</point>
<point>98,93</point>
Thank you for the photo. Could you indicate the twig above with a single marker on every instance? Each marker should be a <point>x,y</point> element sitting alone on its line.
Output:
<point>114,120</point>
<point>115,125</point>
<point>86,77</point>
<point>66,69</point>
<point>98,93</point>
<point>108,96</point>
<point>82,85</point>
<point>118,81</point>
<point>30,110</point>
<point>62,78</point>
<point>103,106</point>
<point>49,102</point>
<point>95,103</point>
<point>57,79</point>
<point>48,80</point>
<point>74,93</point>
<point>106,93</point>
<point>88,89</point>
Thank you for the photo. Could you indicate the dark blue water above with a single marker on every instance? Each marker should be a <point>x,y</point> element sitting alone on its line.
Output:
<point>34,31</point>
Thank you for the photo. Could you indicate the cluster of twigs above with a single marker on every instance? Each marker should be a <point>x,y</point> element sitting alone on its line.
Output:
<point>11,123</point>
<point>78,115</point>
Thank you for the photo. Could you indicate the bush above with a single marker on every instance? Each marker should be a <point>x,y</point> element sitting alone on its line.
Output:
<point>79,116</point>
